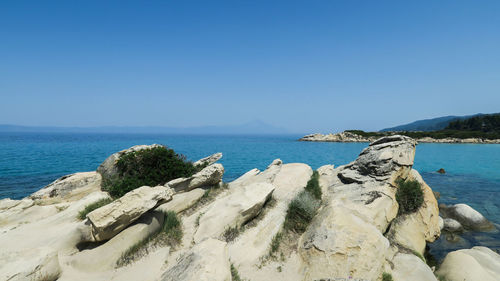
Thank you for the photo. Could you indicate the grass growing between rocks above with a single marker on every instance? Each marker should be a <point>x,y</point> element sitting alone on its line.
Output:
<point>169,234</point>
<point>387,277</point>
<point>304,206</point>
<point>96,205</point>
<point>275,244</point>
<point>151,167</point>
<point>301,211</point>
<point>409,195</point>
<point>235,275</point>
<point>231,233</point>
<point>313,186</point>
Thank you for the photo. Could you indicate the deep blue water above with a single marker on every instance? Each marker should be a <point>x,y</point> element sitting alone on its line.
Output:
<point>28,161</point>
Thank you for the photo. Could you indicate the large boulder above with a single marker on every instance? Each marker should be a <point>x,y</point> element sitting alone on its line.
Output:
<point>69,188</point>
<point>414,230</point>
<point>108,169</point>
<point>209,160</point>
<point>476,264</point>
<point>346,237</point>
<point>233,210</point>
<point>409,267</point>
<point>207,261</point>
<point>452,225</point>
<point>466,216</point>
<point>110,219</point>
<point>209,176</point>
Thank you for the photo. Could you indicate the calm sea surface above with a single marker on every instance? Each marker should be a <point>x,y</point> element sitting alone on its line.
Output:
<point>28,161</point>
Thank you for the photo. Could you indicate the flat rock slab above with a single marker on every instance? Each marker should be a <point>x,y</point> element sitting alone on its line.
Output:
<point>233,210</point>
<point>182,201</point>
<point>207,261</point>
<point>109,220</point>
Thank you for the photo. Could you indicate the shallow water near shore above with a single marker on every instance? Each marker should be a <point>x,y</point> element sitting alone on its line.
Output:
<point>29,161</point>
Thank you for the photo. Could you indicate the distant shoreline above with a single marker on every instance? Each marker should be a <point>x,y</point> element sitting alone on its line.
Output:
<point>353,137</point>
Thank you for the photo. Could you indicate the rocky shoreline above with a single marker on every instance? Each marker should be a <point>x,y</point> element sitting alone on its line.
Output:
<point>235,230</point>
<point>352,137</point>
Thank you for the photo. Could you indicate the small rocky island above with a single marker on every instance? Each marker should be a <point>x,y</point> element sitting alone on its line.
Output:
<point>368,220</point>
<point>359,136</point>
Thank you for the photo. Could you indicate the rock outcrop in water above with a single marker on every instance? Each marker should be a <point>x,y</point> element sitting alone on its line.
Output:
<point>234,228</point>
<point>347,136</point>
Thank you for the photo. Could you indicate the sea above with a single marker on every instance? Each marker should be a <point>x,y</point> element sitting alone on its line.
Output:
<point>29,161</point>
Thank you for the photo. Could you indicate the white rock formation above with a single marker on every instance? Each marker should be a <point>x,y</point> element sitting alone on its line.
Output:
<point>233,210</point>
<point>414,230</point>
<point>207,177</point>
<point>209,160</point>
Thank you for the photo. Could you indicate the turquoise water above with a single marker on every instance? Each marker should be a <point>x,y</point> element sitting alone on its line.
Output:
<point>30,161</point>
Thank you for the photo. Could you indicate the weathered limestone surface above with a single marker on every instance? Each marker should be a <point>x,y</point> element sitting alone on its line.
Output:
<point>233,210</point>
<point>68,188</point>
<point>207,261</point>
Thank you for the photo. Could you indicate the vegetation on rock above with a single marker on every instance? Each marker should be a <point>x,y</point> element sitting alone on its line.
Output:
<point>150,167</point>
<point>235,276</point>
<point>304,206</point>
<point>275,243</point>
<point>231,233</point>
<point>301,211</point>
<point>409,196</point>
<point>96,205</point>
<point>387,277</point>
<point>313,186</point>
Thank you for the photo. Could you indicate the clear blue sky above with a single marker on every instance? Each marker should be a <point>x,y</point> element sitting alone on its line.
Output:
<point>304,65</point>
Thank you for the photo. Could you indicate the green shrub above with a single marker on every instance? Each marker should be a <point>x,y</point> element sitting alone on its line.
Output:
<point>387,277</point>
<point>301,211</point>
<point>96,205</point>
<point>151,167</point>
<point>313,185</point>
<point>172,227</point>
<point>409,196</point>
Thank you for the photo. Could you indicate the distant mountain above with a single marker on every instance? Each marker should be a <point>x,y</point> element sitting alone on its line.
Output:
<point>252,128</point>
<point>427,125</point>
